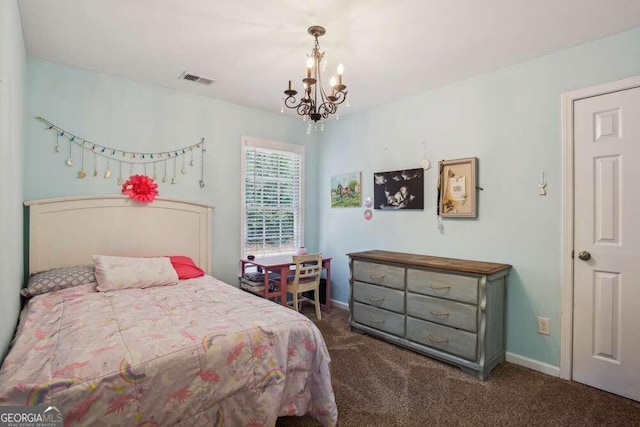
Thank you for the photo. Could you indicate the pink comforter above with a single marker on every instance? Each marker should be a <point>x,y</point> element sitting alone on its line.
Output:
<point>198,353</point>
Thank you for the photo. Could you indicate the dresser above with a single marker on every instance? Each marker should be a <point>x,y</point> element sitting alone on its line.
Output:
<point>449,309</point>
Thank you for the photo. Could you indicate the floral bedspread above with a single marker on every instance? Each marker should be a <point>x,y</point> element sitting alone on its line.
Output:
<point>198,353</point>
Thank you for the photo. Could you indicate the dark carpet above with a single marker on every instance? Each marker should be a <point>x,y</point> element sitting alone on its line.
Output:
<point>380,384</point>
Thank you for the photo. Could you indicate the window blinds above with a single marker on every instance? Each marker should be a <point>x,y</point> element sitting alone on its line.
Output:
<point>273,212</point>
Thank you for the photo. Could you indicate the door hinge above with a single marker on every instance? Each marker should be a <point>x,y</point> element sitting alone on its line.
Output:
<point>572,254</point>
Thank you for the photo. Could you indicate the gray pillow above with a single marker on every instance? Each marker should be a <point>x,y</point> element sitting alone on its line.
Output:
<point>59,278</point>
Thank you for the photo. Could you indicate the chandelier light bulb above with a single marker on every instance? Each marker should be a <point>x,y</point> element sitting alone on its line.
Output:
<point>309,66</point>
<point>340,69</point>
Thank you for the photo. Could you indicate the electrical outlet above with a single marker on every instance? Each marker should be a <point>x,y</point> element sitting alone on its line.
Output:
<point>544,326</point>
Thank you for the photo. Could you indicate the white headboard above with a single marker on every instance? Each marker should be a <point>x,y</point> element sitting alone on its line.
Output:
<point>68,231</point>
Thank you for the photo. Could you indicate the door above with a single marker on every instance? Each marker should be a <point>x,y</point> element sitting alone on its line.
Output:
<point>606,323</point>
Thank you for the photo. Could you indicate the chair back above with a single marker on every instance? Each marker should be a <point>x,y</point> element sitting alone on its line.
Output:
<point>308,269</point>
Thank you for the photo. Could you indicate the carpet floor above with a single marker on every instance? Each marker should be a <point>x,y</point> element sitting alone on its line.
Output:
<point>380,384</point>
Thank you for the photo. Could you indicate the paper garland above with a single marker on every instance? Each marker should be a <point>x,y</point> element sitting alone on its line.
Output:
<point>130,158</point>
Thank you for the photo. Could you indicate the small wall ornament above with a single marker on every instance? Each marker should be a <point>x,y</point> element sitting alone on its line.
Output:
<point>140,188</point>
<point>542,186</point>
<point>424,162</point>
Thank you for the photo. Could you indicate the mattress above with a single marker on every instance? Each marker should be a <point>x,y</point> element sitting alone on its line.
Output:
<point>198,353</point>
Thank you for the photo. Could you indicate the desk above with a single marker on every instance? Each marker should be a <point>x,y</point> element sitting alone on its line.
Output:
<point>281,264</point>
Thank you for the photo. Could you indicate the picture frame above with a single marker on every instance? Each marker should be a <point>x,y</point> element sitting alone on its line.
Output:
<point>457,188</point>
<point>346,190</point>
<point>399,190</point>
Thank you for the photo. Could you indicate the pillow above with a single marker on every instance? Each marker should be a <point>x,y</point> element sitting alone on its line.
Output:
<point>58,278</point>
<point>185,267</point>
<point>114,273</point>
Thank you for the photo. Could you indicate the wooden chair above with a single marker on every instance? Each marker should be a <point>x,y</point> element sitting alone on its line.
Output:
<point>306,278</point>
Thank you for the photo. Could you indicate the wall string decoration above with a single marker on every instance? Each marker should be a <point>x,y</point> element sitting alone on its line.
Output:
<point>128,158</point>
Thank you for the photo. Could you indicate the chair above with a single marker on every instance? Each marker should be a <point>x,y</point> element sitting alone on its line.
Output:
<point>306,278</point>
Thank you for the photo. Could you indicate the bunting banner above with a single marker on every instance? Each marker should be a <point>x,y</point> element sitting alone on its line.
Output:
<point>164,163</point>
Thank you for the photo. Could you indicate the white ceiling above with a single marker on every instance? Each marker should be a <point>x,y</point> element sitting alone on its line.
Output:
<point>390,48</point>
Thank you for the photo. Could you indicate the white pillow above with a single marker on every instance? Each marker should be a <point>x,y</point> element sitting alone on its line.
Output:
<point>113,273</point>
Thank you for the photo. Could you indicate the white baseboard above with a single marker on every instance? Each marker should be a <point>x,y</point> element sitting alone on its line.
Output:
<point>536,365</point>
<point>340,304</point>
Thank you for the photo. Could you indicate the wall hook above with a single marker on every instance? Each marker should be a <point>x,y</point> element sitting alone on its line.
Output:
<point>424,162</point>
<point>542,186</point>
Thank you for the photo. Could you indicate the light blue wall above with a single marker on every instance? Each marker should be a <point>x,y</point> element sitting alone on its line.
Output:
<point>511,121</point>
<point>12,82</point>
<point>136,116</point>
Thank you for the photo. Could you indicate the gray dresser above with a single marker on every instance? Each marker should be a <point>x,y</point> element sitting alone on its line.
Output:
<point>449,309</point>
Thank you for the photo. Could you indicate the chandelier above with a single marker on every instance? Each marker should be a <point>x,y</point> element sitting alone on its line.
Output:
<point>315,104</point>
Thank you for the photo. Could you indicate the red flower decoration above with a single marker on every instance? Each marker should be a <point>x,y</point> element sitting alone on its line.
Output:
<point>140,188</point>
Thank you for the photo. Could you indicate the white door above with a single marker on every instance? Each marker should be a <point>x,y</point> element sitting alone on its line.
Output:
<point>606,323</point>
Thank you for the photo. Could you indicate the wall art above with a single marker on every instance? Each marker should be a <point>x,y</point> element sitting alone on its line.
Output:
<point>159,166</point>
<point>346,190</point>
<point>401,189</point>
<point>457,188</point>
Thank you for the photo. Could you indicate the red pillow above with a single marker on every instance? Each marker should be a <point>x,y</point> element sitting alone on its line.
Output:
<point>185,267</point>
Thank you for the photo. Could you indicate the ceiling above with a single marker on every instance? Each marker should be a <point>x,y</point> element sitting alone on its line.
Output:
<point>251,48</point>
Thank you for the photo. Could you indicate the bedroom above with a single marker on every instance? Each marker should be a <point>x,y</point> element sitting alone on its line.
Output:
<point>508,117</point>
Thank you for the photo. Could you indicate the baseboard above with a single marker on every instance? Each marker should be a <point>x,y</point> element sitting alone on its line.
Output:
<point>340,304</point>
<point>536,365</point>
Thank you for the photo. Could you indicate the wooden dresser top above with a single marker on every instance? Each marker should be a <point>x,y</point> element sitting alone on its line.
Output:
<point>450,264</point>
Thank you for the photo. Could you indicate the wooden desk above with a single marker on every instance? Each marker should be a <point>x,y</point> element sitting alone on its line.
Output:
<point>281,264</point>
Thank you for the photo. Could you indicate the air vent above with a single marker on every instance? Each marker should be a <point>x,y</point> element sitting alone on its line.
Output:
<point>196,79</point>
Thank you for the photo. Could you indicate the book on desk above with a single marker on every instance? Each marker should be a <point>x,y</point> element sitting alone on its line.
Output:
<point>254,282</point>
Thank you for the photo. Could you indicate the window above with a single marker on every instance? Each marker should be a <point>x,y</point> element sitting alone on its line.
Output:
<point>272,197</point>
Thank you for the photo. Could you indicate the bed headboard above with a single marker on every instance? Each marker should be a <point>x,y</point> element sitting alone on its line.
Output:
<point>68,231</point>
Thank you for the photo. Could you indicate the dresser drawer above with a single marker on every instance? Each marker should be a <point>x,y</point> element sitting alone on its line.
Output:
<point>450,286</point>
<point>379,274</point>
<point>377,318</point>
<point>451,340</point>
<point>445,312</point>
<point>379,296</point>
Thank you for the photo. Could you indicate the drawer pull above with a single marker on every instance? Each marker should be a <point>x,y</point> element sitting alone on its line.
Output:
<point>438,313</point>
<point>437,340</point>
<point>371,319</point>
<point>376,277</point>
<point>439,288</point>
<point>372,299</point>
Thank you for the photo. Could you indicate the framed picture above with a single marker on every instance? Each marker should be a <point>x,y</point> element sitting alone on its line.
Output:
<point>346,190</point>
<point>457,188</point>
<point>401,189</point>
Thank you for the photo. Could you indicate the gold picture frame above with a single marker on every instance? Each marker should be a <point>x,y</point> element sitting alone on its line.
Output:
<point>457,188</point>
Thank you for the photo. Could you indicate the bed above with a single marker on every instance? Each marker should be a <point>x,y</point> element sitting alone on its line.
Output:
<point>199,352</point>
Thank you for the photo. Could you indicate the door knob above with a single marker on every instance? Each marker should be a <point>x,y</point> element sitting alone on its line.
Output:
<point>584,255</point>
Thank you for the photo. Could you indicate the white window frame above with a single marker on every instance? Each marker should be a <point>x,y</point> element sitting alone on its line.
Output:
<point>252,142</point>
